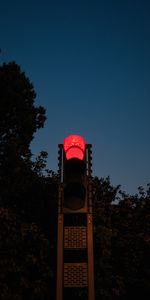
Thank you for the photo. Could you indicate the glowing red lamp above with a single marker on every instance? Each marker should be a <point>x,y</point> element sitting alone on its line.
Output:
<point>74,146</point>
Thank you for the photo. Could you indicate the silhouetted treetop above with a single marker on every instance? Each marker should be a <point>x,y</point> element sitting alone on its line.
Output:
<point>19,117</point>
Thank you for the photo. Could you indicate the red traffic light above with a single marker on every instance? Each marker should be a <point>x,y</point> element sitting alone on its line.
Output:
<point>74,146</point>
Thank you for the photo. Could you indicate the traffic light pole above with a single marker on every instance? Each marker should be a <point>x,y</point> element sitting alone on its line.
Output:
<point>91,290</point>
<point>60,228</point>
<point>75,258</point>
<point>91,293</point>
<point>59,292</point>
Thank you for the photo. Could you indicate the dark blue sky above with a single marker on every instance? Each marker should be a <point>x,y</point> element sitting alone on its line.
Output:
<point>89,62</point>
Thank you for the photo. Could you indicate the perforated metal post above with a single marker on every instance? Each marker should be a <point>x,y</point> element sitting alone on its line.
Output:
<point>59,290</point>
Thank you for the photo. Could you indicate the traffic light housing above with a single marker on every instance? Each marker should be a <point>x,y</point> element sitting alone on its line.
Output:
<point>74,175</point>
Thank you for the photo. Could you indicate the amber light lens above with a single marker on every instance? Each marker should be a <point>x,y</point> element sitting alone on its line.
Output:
<point>74,195</point>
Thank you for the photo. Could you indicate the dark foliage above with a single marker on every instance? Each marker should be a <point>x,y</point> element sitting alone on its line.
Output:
<point>26,195</point>
<point>131,245</point>
<point>24,262</point>
<point>122,242</point>
<point>19,120</point>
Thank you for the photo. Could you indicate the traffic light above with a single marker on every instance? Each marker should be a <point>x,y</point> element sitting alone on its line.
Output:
<point>74,162</point>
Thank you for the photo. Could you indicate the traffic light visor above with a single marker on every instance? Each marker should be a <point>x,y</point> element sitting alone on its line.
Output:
<point>74,147</point>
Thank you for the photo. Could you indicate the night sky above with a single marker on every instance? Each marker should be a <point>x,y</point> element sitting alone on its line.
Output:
<point>89,62</point>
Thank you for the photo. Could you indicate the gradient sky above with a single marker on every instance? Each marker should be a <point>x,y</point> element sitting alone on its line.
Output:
<point>89,62</point>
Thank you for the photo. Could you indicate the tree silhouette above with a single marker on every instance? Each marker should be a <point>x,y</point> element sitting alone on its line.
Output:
<point>131,245</point>
<point>122,242</point>
<point>19,120</point>
<point>27,196</point>
<point>24,261</point>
